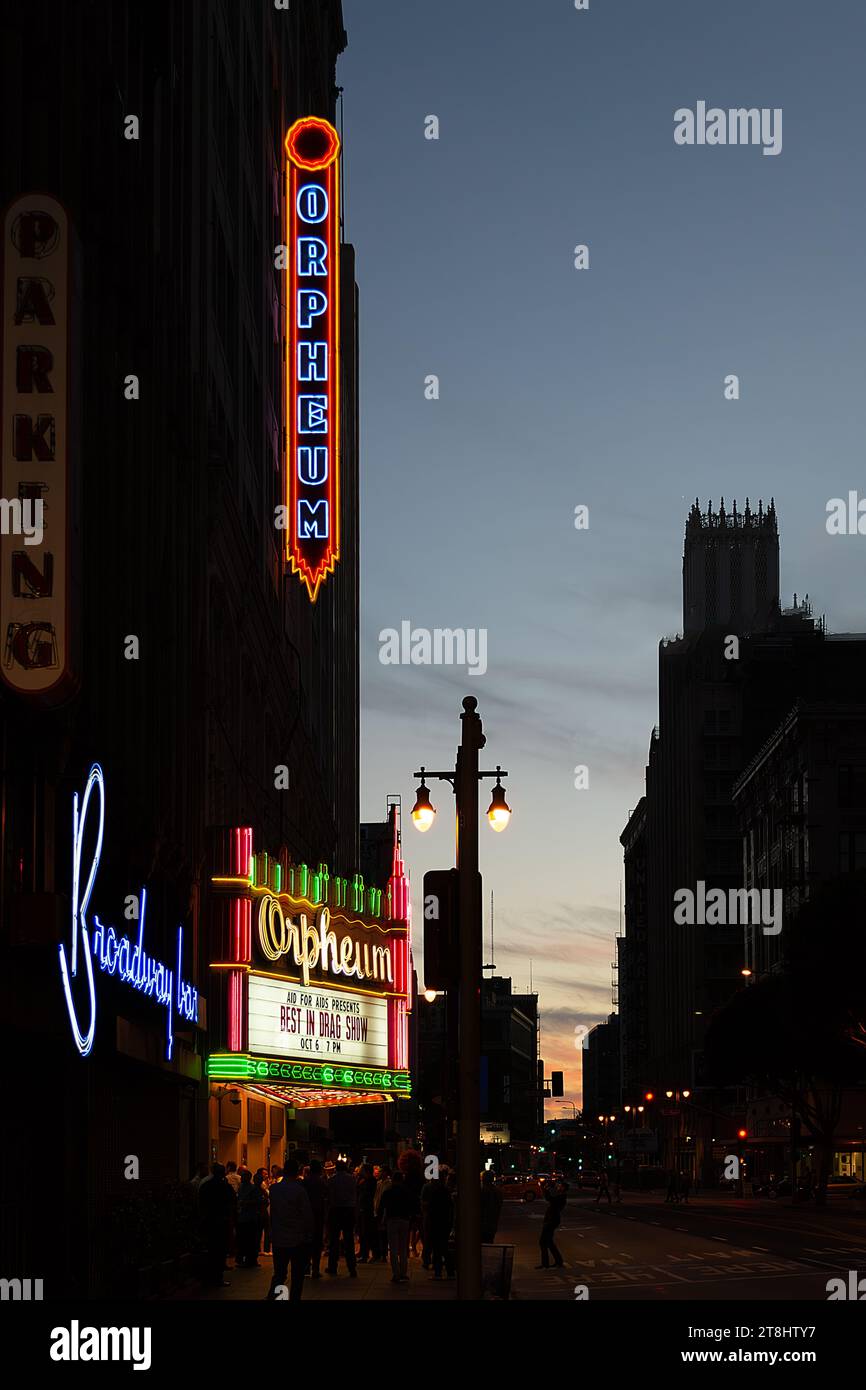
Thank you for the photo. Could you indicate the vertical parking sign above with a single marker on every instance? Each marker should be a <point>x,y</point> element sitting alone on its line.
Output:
<point>36,303</point>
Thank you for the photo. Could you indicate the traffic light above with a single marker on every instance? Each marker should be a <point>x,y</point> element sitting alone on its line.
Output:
<point>440,928</point>
<point>556,1086</point>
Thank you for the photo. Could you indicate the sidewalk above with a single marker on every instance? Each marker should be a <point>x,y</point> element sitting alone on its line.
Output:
<point>373,1283</point>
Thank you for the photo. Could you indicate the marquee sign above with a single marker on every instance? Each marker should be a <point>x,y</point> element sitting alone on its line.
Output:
<point>114,953</point>
<point>312,351</point>
<point>316,1024</point>
<point>35,382</point>
<point>311,978</point>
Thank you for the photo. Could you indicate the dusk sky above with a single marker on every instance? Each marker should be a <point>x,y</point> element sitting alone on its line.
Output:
<point>602,387</point>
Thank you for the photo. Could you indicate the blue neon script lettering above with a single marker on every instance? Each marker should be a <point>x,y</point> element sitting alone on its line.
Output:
<point>115,953</point>
<point>83,1041</point>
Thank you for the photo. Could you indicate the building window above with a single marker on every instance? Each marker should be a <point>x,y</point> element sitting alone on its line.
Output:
<point>852,852</point>
<point>852,786</point>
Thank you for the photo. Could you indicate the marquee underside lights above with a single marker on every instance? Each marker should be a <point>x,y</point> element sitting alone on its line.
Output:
<point>237,1066</point>
<point>312,351</point>
<point>316,1099</point>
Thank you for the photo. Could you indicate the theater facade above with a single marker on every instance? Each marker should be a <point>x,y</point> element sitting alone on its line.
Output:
<point>310,995</point>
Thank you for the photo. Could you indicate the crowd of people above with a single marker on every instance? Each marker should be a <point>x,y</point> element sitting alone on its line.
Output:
<point>374,1213</point>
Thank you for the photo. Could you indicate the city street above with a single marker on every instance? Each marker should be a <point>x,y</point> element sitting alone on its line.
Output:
<point>712,1248</point>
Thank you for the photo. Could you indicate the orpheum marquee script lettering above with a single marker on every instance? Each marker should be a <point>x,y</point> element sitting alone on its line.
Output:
<point>319,946</point>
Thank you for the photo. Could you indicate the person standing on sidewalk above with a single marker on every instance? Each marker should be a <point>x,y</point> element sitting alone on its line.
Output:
<point>291,1232</point>
<point>439,1210</point>
<point>603,1189</point>
<point>314,1182</point>
<point>261,1182</point>
<point>398,1206</point>
<point>367,1242</point>
<point>342,1208</point>
<point>381,1188</point>
<point>555,1203</point>
<point>250,1207</point>
<point>217,1210</point>
<point>491,1206</point>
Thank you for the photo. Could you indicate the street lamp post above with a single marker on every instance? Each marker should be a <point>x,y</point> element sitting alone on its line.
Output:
<point>464,780</point>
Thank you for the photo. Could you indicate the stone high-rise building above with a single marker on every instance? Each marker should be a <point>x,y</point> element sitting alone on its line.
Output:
<point>719,700</point>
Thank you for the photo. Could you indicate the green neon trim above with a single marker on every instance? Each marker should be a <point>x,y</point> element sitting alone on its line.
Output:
<point>240,1066</point>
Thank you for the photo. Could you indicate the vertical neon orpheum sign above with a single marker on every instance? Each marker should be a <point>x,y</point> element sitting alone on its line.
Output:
<point>312,350</point>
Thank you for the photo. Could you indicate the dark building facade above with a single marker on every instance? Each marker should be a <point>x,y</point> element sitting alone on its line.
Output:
<point>509,1049</point>
<point>512,1088</point>
<point>202,678</point>
<point>601,1073</point>
<point>723,688</point>
<point>801,803</point>
<point>632,963</point>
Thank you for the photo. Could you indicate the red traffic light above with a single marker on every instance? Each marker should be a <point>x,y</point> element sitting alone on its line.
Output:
<point>742,1133</point>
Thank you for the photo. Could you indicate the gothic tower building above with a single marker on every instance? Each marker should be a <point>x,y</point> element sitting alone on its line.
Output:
<point>731,569</point>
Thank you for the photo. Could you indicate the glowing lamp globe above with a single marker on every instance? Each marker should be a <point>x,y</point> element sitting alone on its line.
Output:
<point>499,811</point>
<point>423,813</point>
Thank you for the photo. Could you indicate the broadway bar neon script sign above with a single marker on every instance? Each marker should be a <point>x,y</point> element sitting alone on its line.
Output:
<point>115,954</point>
<point>312,350</point>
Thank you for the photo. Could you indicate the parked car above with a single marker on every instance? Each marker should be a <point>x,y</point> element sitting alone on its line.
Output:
<point>846,1186</point>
